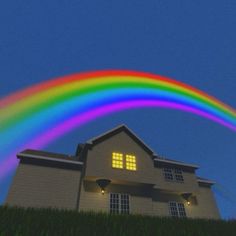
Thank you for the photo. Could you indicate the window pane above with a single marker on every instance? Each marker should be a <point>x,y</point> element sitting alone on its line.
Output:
<point>181,209</point>
<point>114,203</point>
<point>117,160</point>
<point>168,174</point>
<point>177,209</point>
<point>173,209</point>
<point>179,175</point>
<point>131,162</point>
<point>119,203</point>
<point>124,207</point>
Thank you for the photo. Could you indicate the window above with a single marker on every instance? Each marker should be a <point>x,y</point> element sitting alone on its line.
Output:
<point>130,162</point>
<point>117,160</point>
<point>114,203</point>
<point>124,203</point>
<point>119,203</point>
<point>177,209</point>
<point>168,174</point>
<point>179,175</point>
<point>173,174</point>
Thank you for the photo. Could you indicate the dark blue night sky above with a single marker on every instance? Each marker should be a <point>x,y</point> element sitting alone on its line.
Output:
<point>192,41</point>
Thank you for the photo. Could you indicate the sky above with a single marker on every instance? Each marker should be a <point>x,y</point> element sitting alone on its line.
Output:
<point>190,41</point>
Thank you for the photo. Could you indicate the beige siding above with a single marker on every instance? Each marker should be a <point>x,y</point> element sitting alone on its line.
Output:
<point>99,160</point>
<point>140,205</point>
<point>160,209</point>
<point>206,205</point>
<point>39,186</point>
<point>92,200</point>
<point>190,183</point>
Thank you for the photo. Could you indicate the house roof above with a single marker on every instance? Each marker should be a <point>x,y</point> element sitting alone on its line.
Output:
<point>43,155</point>
<point>117,130</point>
<point>206,181</point>
<point>124,128</point>
<point>165,160</point>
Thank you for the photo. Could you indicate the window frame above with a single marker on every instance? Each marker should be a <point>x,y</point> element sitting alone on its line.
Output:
<point>121,208</point>
<point>123,161</point>
<point>175,173</point>
<point>131,163</point>
<point>117,161</point>
<point>179,208</point>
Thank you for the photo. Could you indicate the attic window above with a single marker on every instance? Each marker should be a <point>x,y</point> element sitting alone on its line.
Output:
<point>117,160</point>
<point>130,162</point>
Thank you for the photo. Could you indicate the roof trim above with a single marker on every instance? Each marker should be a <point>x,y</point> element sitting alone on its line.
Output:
<point>207,181</point>
<point>48,158</point>
<point>176,163</point>
<point>120,128</point>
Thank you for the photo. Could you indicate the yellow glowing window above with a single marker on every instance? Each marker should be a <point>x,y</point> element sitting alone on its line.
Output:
<point>117,160</point>
<point>131,162</point>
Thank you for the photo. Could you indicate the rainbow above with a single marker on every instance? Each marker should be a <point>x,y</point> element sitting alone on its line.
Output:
<point>35,116</point>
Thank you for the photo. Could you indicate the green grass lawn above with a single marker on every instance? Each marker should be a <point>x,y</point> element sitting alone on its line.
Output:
<point>21,221</point>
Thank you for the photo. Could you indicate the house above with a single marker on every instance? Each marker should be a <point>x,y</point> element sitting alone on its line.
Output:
<point>115,172</point>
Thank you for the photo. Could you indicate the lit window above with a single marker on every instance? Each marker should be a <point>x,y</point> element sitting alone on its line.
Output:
<point>177,209</point>
<point>130,162</point>
<point>119,203</point>
<point>117,160</point>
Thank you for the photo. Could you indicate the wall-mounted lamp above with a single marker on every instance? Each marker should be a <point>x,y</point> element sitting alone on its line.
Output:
<point>187,196</point>
<point>103,183</point>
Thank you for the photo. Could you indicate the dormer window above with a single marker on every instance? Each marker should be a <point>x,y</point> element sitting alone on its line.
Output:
<point>119,162</point>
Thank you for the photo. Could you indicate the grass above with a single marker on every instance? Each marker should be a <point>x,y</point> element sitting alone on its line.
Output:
<point>16,221</point>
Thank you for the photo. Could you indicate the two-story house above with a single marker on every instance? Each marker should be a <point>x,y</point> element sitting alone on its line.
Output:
<point>115,172</point>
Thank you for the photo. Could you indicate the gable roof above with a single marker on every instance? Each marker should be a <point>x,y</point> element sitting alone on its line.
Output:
<point>117,130</point>
<point>140,142</point>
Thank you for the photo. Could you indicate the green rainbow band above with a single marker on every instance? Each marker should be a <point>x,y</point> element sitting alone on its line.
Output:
<point>64,103</point>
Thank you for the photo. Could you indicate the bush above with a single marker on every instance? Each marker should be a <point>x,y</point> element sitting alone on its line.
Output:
<point>47,221</point>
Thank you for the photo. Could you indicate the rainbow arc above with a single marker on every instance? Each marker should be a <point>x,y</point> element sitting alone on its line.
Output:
<point>43,112</point>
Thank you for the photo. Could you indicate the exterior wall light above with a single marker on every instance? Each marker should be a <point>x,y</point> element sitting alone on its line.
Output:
<point>186,197</point>
<point>103,183</point>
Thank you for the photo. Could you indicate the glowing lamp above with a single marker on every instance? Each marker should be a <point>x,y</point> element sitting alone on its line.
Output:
<point>103,183</point>
<point>186,197</point>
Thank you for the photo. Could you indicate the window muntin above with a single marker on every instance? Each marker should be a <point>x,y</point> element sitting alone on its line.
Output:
<point>114,203</point>
<point>131,162</point>
<point>173,174</point>
<point>173,209</point>
<point>168,174</point>
<point>177,209</point>
<point>124,203</point>
<point>181,209</point>
<point>117,160</point>
<point>119,203</point>
<point>179,175</point>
